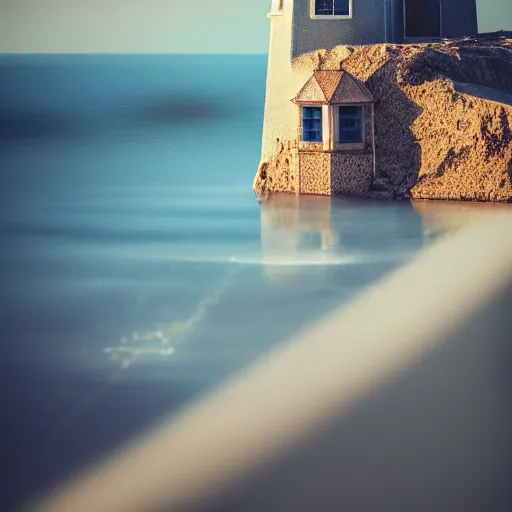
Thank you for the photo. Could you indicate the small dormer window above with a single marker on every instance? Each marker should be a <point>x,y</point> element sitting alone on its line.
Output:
<point>341,8</point>
<point>333,112</point>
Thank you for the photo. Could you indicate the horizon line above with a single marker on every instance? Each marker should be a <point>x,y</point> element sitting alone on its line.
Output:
<point>132,53</point>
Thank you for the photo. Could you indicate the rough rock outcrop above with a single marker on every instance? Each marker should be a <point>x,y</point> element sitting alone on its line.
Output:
<point>443,118</point>
<point>276,174</point>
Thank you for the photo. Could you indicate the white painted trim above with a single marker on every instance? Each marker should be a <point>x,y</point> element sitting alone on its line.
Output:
<point>332,127</point>
<point>326,127</point>
<point>329,17</point>
<point>276,8</point>
<point>303,142</point>
<point>336,118</point>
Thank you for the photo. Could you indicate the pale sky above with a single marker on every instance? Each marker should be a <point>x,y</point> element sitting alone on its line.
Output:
<point>133,26</point>
<point>494,15</point>
<point>154,26</point>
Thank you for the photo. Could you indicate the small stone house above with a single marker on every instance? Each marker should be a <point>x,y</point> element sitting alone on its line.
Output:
<point>335,133</point>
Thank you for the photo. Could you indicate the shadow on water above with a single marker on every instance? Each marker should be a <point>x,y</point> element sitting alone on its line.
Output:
<point>437,437</point>
<point>16,124</point>
<point>60,422</point>
<point>183,109</point>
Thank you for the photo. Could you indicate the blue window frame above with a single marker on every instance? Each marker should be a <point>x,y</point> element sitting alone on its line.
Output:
<point>332,7</point>
<point>312,124</point>
<point>350,124</point>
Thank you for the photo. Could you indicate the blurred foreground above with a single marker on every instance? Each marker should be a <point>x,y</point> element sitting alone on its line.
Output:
<point>398,401</point>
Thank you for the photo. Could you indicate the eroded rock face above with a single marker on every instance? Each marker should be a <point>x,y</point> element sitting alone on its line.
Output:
<point>443,118</point>
<point>276,174</point>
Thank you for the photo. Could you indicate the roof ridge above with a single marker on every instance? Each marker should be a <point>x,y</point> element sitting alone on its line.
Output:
<point>328,88</point>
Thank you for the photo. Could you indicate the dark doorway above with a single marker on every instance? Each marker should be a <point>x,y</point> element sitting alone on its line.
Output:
<point>423,18</point>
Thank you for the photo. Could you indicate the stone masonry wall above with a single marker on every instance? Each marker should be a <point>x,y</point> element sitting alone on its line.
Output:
<point>335,173</point>
<point>351,173</point>
<point>315,173</point>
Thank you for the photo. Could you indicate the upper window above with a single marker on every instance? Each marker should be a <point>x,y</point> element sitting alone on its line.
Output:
<point>351,124</point>
<point>312,124</point>
<point>333,8</point>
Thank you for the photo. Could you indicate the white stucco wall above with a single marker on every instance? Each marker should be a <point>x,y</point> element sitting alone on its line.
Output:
<point>494,15</point>
<point>283,83</point>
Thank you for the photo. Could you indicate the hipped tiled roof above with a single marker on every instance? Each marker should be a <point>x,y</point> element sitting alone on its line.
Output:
<point>334,87</point>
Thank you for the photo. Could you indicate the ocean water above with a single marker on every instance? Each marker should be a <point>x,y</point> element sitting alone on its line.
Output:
<point>137,268</point>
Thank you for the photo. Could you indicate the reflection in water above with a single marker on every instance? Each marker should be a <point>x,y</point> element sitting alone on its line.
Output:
<point>314,230</point>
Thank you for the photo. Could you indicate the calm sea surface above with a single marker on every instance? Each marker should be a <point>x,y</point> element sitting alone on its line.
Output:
<point>137,268</point>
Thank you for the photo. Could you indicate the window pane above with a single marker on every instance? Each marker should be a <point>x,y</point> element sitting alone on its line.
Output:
<point>352,136</point>
<point>351,124</point>
<point>312,124</point>
<point>341,7</point>
<point>350,111</point>
<point>313,136</point>
<point>324,7</point>
<point>312,112</point>
<point>348,123</point>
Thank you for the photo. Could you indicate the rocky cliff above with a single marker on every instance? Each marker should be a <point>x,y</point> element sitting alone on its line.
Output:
<point>443,118</point>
